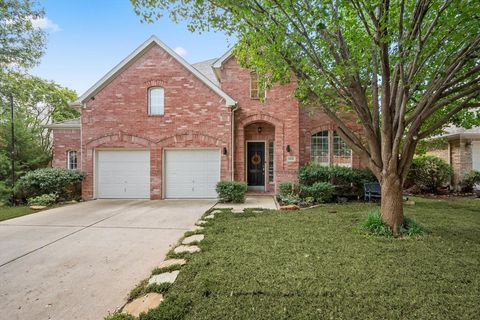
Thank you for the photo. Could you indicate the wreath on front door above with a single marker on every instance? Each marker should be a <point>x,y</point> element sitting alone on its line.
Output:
<point>256,159</point>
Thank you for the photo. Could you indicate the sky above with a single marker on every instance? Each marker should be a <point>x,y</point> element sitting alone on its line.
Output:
<point>87,38</point>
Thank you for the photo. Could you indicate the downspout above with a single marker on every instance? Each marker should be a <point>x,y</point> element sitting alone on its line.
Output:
<point>232,148</point>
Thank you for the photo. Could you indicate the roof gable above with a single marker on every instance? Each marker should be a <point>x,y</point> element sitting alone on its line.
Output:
<point>153,40</point>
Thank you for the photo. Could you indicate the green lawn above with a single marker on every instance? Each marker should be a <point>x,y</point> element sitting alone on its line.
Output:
<point>14,212</point>
<point>312,265</point>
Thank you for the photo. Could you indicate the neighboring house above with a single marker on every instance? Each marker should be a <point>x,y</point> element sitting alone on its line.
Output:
<point>461,149</point>
<point>157,127</point>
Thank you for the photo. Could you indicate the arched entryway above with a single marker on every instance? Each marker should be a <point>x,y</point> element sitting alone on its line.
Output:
<point>260,156</point>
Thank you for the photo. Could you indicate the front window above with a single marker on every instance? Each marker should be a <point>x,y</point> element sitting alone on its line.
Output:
<point>341,151</point>
<point>156,101</point>
<point>256,89</point>
<point>72,160</point>
<point>319,148</point>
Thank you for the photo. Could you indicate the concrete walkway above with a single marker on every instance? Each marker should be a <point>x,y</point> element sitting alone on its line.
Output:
<point>80,261</point>
<point>264,202</point>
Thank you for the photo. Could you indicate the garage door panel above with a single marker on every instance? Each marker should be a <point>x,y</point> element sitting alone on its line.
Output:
<point>192,173</point>
<point>124,174</point>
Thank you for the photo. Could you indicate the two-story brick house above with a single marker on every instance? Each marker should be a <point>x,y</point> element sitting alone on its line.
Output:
<point>157,127</point>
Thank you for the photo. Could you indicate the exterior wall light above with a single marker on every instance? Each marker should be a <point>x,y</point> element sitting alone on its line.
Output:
<point>288,148</point>
<point>224,151</point>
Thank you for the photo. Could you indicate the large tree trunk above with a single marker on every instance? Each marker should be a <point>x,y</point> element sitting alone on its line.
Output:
<point>392,201</point>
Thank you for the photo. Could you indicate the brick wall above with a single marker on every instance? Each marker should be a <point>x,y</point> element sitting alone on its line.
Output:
<point>65,140</point>
<point>194,116</point>
<point>280,110</point>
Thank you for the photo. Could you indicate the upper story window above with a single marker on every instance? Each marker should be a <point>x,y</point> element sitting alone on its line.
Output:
<point>257,91</point>
<point>319,148</point>
<point>156,101</point>
<point>72,160</point>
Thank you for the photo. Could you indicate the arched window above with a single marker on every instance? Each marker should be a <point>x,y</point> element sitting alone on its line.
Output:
<point>319,148</point>
<point>156,101</point>
<point>72,160</point>
<point>342,153</point>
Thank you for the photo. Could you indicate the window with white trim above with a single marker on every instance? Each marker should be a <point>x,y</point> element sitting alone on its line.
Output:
<point>271,150</point>
<point>342,153</point>
<point>72,160</point>
<point>257,91</point>
<point>156,101</point>
<point>319,148</point>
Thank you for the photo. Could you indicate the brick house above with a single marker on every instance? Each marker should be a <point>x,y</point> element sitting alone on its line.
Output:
<point>158,127</point>
<point>461,149</point>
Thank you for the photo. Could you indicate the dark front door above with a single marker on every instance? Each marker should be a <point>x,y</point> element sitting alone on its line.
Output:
<point>256,164</point>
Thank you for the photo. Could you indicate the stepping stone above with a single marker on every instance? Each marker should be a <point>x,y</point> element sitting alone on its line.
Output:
<point>211,216</point>
<point>143,304</point>
<point>172,262</point>
<point>186,249</point>
<point>192,239</point>
<point>237,211</point>
<point>201,222</point>
<point>166,277</point>
<point>37,207</point>
<point>216,211</point>
<point>197,228</point>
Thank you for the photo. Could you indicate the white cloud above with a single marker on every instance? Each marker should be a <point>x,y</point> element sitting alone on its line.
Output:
<point>182,52</point>
<point>45,24</point>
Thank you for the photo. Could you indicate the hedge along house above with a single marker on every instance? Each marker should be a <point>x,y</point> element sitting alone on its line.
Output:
<point>158,127</point>
<point>461,149</point>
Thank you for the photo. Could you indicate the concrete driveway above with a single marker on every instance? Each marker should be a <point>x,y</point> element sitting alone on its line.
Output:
<point>80,261</point>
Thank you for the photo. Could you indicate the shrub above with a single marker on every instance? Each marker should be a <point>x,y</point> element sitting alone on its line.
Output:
<point>470,179</point>
<point>44,200</point>
<point>374,225</point>
<point>319,191</point>
<point>430,173</point>
<point>65,183</point>
<point>290,198</point>
<point>336,175</point>
<point>288,188</point>
<point>231,191</point>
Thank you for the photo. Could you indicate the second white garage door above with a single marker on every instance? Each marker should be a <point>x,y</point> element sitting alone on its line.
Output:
<point>191,173</point>
<point>123,174</point>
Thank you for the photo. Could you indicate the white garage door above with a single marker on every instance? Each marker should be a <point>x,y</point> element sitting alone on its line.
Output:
<point>123,174</point>
<point>191,173</point>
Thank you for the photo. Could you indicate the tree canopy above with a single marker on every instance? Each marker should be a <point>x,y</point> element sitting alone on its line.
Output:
<point>405,68</point>
<point>21,44</point>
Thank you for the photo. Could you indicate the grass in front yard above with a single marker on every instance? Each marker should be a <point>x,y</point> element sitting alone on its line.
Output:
<point>312,265</point>
<point>14,212</point>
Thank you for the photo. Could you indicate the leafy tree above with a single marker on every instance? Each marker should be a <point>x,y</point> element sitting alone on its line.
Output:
<point>39,102</point>
<point>405,68</point>
<point>21,44</point>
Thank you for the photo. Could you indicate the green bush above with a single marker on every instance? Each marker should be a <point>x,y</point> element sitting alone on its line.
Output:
<point>231,191</point>
<point>65,183</point>
<point>288,188</point>
<point>470,179</point>
<point>119,316</point>
<point>336,175</point>
<point>44,200</point>
<point>319,191</point>
<point>290,199</point>
<point>430,173</point>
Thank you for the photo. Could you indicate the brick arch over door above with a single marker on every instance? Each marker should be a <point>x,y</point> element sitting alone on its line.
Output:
<point>240,140</point>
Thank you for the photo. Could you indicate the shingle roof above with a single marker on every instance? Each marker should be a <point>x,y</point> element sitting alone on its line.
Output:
<point>72,123</point>
<point>205,67</point>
